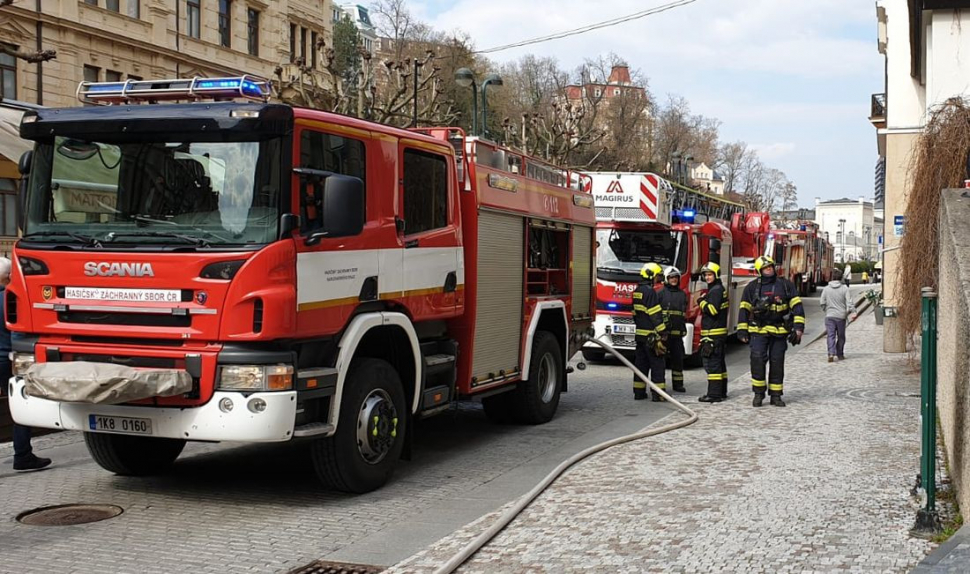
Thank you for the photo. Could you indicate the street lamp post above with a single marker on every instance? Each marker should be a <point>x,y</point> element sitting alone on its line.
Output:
<point>495,80</point>
<point>842,237</point>
<point>466,78</point>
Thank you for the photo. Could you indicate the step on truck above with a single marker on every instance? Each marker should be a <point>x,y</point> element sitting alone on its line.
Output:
<point>238,270</point>
<point>642,218</point>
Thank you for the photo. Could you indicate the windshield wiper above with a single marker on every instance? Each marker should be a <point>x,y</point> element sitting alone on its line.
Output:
<point>144,220</point>
<point>613,270</point>
<point>197,241</point>
<point>85,239</point>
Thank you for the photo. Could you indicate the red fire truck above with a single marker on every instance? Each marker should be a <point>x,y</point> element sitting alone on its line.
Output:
<point>643,218</point>
<point>805,260</point>
<point>246,271</point>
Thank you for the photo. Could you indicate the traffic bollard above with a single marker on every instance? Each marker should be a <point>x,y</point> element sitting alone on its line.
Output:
<point>927,521</point>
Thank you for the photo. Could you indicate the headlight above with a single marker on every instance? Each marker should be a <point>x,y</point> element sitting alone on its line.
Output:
<point>256,378</point>
<point>22,362</point>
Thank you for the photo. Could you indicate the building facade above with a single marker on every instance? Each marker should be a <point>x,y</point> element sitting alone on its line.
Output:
<point>706,179</point>
<point>360,17</point>
<point>921,41</point>
<point>112,40</point>
<point>850,226</point>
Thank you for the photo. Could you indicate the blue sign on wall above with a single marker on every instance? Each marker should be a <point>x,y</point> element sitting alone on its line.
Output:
<point>899,225</point>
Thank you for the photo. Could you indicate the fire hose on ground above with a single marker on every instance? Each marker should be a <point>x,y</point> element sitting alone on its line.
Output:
<point>509,515</point>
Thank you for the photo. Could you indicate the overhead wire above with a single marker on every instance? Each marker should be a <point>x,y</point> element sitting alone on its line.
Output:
<point>590,27</point>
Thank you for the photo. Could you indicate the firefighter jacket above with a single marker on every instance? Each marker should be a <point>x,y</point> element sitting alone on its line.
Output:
<point>714,311</point>
<point>771,306</point>
<point>647,313</point>
<point>673,301</point>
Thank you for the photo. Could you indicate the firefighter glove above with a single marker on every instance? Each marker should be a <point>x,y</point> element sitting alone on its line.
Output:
<point>707,347</point>
<point>660,348</point>
<point>743,337</point>
<point>795,337</point>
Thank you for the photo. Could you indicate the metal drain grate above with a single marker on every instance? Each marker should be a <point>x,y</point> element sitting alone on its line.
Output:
<point>326,567</point>
<point>69,514</point>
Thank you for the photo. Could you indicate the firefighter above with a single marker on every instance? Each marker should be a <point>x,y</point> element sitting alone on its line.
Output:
<point>714,307</point>
<point>771,315</point>
<point>673,301</point>
<point>648,316</point>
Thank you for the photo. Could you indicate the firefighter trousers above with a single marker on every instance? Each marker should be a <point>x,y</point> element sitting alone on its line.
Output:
<point>675,353</point>
<point>768,350</point>
<point>716,368</point>
<point>650,364</point>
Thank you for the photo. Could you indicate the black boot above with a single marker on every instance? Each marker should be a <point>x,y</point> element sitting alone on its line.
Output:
<point>639,394</point>
<point>710,399</point>
<point>758,400</point>
<point>776,401</point>
<point>655,397</point>
<point>679,388</point>
<point>30,462</point>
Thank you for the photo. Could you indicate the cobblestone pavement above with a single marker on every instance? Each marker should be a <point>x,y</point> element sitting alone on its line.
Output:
<point>819,486</point>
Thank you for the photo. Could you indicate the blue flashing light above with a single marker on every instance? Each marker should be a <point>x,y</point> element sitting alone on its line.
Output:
<point>688,213</point>
<point>611,305</point>
<point>114,87</point>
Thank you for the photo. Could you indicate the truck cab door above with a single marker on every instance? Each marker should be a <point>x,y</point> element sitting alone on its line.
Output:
<point>433,267</point>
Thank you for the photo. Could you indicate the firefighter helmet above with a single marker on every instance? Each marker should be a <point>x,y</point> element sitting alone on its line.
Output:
<point>712,268</point>
<point>651,270</point>
<point>671,272</point>
<point>762,262</point>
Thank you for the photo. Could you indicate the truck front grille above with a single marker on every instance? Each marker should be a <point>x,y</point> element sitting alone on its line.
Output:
<point>125,319</point>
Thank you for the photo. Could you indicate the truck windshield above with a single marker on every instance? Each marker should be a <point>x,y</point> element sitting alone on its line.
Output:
<point>620,254</point>
<point>210,193</point>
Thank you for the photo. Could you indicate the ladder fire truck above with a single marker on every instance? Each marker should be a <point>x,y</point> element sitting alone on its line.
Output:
<point>246,271</point>
<point>805,256</point>
<point>641,218</point>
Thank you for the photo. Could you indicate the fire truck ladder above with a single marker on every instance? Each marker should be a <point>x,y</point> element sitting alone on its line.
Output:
<point>713,206</point>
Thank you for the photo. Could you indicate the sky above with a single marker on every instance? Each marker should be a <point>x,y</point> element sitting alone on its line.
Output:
<point>791,78</point>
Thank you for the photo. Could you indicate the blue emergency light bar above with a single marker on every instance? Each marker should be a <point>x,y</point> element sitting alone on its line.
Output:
<point>611,305</point>
<point>246,87</point>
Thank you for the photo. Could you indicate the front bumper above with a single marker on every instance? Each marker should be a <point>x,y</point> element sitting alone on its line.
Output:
<point>604,330</point>
<point>204,423</point>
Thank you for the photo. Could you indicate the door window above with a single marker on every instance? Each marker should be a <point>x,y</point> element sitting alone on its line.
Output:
<point>425,191</point>
<point>331,153</point>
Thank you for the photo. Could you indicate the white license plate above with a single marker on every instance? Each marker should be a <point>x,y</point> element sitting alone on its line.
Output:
<point>132,295</point>
<point>102,423</point>
<point>625,329</point>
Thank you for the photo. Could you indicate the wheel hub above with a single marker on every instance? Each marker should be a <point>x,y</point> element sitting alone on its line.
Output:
<point>548,377</point>
<point>376,426</point>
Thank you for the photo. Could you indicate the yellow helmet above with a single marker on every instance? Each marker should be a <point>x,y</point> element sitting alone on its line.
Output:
<point>712,268</point>
<point>651,270</point>
<point>762,262</point>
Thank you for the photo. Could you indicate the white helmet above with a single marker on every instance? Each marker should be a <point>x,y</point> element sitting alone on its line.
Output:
<point>671,272</point>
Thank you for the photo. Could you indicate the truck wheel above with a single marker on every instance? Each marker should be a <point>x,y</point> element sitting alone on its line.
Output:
<point>498,408</point>
<point>536,400</point>
<point>133,455</point>
<point>594,355</point>
<point>361,456</point>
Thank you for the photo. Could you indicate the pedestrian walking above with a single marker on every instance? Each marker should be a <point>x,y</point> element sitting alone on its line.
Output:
<point>23,455</point>
<point>673,301</point>
<point>847,274</point>
<point>648,316</point>
<point>771,315</point>
<point>837,304</point>
<point>714,307</point>
<point>865,276</point>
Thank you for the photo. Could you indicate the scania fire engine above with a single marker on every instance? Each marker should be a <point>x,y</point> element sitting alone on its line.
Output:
<point>240,270</point>
<point>643,218</point>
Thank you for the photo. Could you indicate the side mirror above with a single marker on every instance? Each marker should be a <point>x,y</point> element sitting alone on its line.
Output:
<point>343,208</point>
<point>715,246</point>
<point>26,159</point>
<point>288,223</point>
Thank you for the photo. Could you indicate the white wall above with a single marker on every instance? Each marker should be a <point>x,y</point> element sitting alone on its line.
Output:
<point>857,217</point>
<point>906,100</point>
<point>948,55</point>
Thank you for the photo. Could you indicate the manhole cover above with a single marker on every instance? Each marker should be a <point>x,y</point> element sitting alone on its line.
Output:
<point>69,514</point>
<point>324,567</point>
<point>879,395</point>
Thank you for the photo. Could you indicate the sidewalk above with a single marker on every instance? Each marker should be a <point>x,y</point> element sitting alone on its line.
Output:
<point>819,486</point>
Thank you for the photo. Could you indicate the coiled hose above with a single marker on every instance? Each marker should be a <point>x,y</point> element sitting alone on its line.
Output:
<point>509,515</point>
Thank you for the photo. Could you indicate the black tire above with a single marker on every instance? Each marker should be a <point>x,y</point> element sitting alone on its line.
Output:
<point>133,455</point>
<point>498,408</point>
<point>594,355</point>
<point>535,401</point>
<point>694,361</point>
<point>340,461</point>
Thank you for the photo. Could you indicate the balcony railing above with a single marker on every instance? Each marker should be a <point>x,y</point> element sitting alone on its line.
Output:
<point>878,109</point>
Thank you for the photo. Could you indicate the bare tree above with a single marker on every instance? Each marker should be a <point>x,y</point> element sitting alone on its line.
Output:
<point>678,130</point>
<point>731,161</point>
